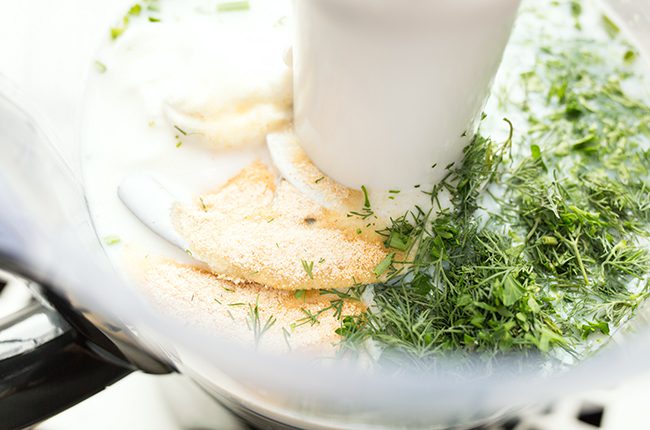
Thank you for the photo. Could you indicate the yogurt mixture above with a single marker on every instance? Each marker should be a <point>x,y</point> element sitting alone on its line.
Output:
<point>194,57</point>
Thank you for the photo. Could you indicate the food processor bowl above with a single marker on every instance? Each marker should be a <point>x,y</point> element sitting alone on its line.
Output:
<point>100,329</point>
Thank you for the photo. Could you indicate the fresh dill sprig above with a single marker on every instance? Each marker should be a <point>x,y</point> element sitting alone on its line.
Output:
<point>335,306</point>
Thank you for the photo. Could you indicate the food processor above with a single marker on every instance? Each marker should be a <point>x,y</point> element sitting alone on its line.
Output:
<point>87,328</point>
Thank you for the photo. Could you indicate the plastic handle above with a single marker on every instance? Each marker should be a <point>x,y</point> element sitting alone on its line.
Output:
<point>48,363</point>
<point>51,378</point>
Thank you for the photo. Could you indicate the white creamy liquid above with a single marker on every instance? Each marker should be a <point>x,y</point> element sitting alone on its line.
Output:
<point>194,51</point>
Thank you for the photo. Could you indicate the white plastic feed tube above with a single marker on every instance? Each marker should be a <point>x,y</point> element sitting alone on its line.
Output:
<point>384,89</point>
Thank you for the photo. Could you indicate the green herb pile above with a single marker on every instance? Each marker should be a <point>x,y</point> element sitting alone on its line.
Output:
<point>543,251</point>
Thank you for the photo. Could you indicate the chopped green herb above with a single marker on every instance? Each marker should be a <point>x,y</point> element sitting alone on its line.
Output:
<point>576,12</point>
<point>112,240</point>
<point>101,67</point>
<point>286,335</point>
<point>629,56</point>
<point>116,32</point>
<point>135,10</point>
<point>300,294</point>
<point>255,323</point>
<point>233,5</point>
<point>610,26</point>
<point>366,200</point>
<point>384,264</point>
<point>309,267</point>
<point>319,179</point>
<point>152,5</point>
<point>366,212</point>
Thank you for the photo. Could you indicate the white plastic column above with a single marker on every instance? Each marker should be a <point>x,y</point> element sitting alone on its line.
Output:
<point>384,89</point>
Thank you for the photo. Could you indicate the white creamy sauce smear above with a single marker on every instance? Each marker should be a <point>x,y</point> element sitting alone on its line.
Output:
<point>192,53</point>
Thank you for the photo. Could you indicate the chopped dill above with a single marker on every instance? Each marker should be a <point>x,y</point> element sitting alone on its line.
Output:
<point>112,239</point>
<point>384,264</point>
<point>101,67</point>
<point>366,212</point>
<point>544,243</point>
<point>134,11</point>
<point>204,207</point>
<point>610,26</point>
<point>309,267</point>
<point>180,130</point>
<point>236,304</point>
<point>233,5</point>
<point>286,335</point>
<point>255,323</point>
